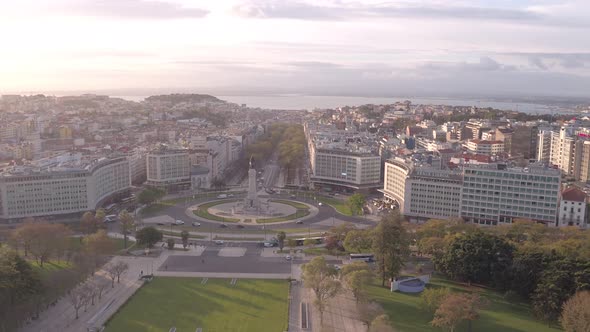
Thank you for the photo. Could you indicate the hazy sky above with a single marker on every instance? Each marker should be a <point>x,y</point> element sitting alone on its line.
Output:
<point>378,47</point>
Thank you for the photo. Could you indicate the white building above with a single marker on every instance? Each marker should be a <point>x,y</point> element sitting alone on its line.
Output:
<point>59,188</point>
<point>423,192</point>
<point>168,167</point>
<point>478,146</point>
<point>495,193</point>
<point>572,208</point>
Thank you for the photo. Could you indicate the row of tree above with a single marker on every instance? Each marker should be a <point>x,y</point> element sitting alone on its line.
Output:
<point>545,266</point>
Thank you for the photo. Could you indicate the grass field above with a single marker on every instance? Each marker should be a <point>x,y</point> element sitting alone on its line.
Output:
<point>49,267</point>
<point>203,213</point>
<point>500,315</point>
<point>217,306</point>
<point>340,206</point>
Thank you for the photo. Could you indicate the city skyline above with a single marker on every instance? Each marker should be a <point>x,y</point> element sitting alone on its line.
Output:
<point>531,48</point>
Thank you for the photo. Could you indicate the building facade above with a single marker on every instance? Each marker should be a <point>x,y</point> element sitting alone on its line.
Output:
<point>494,194</point>
<point>168,168</point>
<point>36,191</point>
<point>573,208</point>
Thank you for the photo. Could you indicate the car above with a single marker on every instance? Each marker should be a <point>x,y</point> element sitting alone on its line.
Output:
<point>159,223</point>
<point>320,204</point>
<point>269,244</point>
<point>240,226</point>
<point>223,226</point>
<point>288,257</point>
<point>299,222</point>
<point>230,195</point>
<point>179,222</point>
<point>293,196</point>
<point>196,224</point>
<point>219,242</point>
<point>222,196</point>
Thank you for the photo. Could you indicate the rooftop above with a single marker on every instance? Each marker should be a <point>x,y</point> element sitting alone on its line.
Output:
<point>573,194</point>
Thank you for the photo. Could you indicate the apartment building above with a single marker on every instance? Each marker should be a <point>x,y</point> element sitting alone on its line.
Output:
<point>573,208</point>
<point>478,146</point>
<point>543,151</point>
<point>422,191</point>
<point>343,160</point>
<point>168,168</point>
<point>68,187</point>
<point>496,193</point>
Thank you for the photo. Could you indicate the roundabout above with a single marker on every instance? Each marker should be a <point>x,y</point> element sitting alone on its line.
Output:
<point>231,210</point>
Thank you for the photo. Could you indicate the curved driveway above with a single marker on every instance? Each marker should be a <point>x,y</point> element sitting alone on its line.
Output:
<point>325,212</point>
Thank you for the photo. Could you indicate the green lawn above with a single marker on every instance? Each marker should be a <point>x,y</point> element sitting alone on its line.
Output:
<point>499,315</point>
<point>203,213</point>
<point>339,205</point>
<point>217,306</point>
<point>49,267</point>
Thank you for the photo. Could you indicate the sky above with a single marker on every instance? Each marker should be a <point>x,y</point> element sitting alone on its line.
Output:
<point>337,47</point>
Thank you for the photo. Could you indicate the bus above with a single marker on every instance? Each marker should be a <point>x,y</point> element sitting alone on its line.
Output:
<point>130,199</point>
<point>111,208</point>
<point>317,239</point>
<point>362,257</point>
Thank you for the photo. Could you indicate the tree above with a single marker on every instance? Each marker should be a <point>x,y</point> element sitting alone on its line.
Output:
<point>527,266</point>
<point>356,202</point>
<point>390,245</point>
<point>97,246</point>
<point>381,324</point>
<point>99,217</point>
<point>112,273</point>
<point>127,224</point>
<point>432,298</point>
<point>353,267</point>
<point>575,316</point>
<point>45,239</point>
<point>120,268</point>
<point>457,308</point>
<point>150,195</point>
<point>558,282</point>
<point>291,243</point>
<point>358,241</point>
<point>281,236</point>
<point>77,298</point>
<point>357,282</point>
<point>319,277</point>
<point>309,242</point>
<point>477,257</point>
<point>368,311</point>
<point>88,223</point>
<point>18,280</point>
<point>170,243</point>
<point>148,236</point>
<point>184,237</point>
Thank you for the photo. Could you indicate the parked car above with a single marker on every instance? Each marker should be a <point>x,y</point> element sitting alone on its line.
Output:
<point>240,226</point>
<point>222,196</point>
<point>179,222</point>
<point>230,195</point>
<point>219,242</point>
<point>159,223</point>
<point>196,224</point>
<point>299,222</point>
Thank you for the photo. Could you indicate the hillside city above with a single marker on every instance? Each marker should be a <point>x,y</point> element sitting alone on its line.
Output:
<point>393,217</point>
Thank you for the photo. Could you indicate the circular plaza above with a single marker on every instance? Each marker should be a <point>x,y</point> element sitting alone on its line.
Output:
<point>267,212</point>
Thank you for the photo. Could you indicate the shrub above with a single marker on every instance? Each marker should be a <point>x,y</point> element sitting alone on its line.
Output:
<point>432,298</point>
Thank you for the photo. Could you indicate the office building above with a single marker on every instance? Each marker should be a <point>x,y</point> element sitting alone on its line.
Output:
<point>496,193</point>
<point>168,168</point>
<point>61,185</point>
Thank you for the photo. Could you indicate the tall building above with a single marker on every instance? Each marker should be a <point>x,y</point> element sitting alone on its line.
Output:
<point>422,191</point>
<point>343,160</point>
<point>524,141</point>
<point>55,187</point>
<point>496,193</point>
<point>544,145</point>
<point>169,168</point>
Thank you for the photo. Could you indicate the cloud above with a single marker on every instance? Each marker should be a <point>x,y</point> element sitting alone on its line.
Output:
<point>565,60</point>
<point>129,9</point>
<point>537,62</point>
<point>338,11</point>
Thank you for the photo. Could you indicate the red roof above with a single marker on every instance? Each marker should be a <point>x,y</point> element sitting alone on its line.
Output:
<point>573,194</point>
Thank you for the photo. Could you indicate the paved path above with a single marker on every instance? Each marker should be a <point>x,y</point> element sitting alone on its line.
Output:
<point>61,317</point>
<point>341,315</point>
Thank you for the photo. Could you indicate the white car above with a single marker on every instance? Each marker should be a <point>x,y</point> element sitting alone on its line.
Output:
<point>320,204</point>
<point>179,222</point>
<point>288,257</point>
<point>220,242</point>
<point>196,224</point>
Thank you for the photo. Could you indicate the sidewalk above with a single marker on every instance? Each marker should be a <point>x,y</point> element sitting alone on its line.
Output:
<point>61,317</point>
